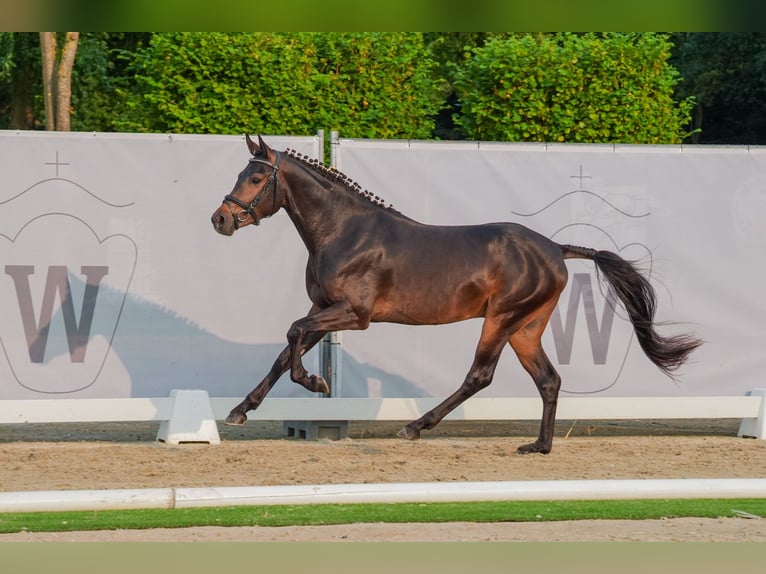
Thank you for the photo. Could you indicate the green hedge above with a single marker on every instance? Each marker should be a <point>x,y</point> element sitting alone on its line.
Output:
<point>571,88</point>
<point>374,85</point>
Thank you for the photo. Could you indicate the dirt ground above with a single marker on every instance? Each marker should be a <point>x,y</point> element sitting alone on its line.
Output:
<point>127,455</point>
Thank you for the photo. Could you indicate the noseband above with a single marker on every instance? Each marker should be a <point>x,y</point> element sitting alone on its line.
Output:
<point>249,209</point>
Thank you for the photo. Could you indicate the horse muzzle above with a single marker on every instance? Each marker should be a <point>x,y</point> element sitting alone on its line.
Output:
<point>223,221</point>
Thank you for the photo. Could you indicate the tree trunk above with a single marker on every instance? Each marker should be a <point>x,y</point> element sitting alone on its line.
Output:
<point>48,51</point>
<point>57,79</point>
<point>64,82</point>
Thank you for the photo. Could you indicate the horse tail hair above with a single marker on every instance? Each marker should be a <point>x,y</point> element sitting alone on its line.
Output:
<point>640,301</point>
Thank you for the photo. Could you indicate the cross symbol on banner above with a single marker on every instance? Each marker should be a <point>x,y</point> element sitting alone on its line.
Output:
<point>580,177</point>
<point>57,163</point>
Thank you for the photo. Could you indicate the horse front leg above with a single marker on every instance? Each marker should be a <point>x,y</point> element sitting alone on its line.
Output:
<point>337,317</point>
<point>238,414</point>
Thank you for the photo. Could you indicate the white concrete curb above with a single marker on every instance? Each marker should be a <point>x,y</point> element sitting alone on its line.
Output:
<point>66,500</point>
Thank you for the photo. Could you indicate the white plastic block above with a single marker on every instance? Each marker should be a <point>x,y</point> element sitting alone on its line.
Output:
<point>191,419</point>
<point>755,427</point>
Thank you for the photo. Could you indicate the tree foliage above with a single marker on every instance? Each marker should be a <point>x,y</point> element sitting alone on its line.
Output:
<point>99,73</point>
<point>726,73</point>
<point>99,68</point>
<point>451,49</point>
<point>6,56</point>
<point>20,80</point>
<point>571,88</point>
<point>367,85</point>
<point>455,85</point>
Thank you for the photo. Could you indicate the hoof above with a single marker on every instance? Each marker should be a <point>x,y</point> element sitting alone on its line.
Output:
<point>319,385</point>
<point>235,418</point>
<point>534,447</point>
<point>409,433</point>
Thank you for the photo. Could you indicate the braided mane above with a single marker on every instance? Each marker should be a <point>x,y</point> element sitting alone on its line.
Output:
<point>347,182</point>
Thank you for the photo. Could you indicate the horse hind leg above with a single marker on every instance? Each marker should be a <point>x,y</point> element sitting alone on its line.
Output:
<point>530,352</point>
<point>479,376</point>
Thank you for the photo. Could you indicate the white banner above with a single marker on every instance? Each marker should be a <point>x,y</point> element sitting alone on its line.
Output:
<point>113,282</point>
<point>693,216</point>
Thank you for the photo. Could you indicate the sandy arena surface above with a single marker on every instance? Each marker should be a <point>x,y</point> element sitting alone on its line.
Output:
<point>114,455</point>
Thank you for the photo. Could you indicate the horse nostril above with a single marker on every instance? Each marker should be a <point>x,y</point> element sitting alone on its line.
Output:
<point>218,221</point>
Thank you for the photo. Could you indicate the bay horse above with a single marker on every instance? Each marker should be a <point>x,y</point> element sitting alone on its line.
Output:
<point>369,263</point>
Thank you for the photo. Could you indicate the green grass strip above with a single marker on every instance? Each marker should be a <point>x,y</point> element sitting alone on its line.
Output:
<point>302,515</point>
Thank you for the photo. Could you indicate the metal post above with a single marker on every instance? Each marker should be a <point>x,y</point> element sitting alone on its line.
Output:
<point>334,143</point>
<point>320,137</point>
<point>329,365</point>
<point>328,356</point>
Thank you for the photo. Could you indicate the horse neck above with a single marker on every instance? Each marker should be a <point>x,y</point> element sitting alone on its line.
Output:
<point>319,207</point>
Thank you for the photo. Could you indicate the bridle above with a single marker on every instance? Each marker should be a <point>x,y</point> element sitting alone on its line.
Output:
<point>249,209</point>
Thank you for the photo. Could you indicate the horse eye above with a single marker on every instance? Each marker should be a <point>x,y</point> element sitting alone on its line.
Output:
<point>255,179</point>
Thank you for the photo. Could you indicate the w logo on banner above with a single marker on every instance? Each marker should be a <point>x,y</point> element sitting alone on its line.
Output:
<point>599,332</point>
<point>61,301</point>
<point>582,329</point>
<point>57,281</point>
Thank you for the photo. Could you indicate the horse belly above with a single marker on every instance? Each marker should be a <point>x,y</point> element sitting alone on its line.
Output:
<point>436,303</point>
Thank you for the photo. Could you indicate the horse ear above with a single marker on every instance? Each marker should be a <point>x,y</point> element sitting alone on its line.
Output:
<point>265,150</point>
<point>251,145</point>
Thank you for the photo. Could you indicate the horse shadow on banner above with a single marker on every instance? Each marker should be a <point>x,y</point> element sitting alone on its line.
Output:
<point>161,351</point>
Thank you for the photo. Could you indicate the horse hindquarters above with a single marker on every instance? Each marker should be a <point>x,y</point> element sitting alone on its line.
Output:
<point>523,330</point>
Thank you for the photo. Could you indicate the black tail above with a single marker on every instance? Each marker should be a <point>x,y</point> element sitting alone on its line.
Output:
<point>640,301</point>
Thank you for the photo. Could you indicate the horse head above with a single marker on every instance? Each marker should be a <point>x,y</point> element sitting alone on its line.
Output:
<point>256,193</point>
